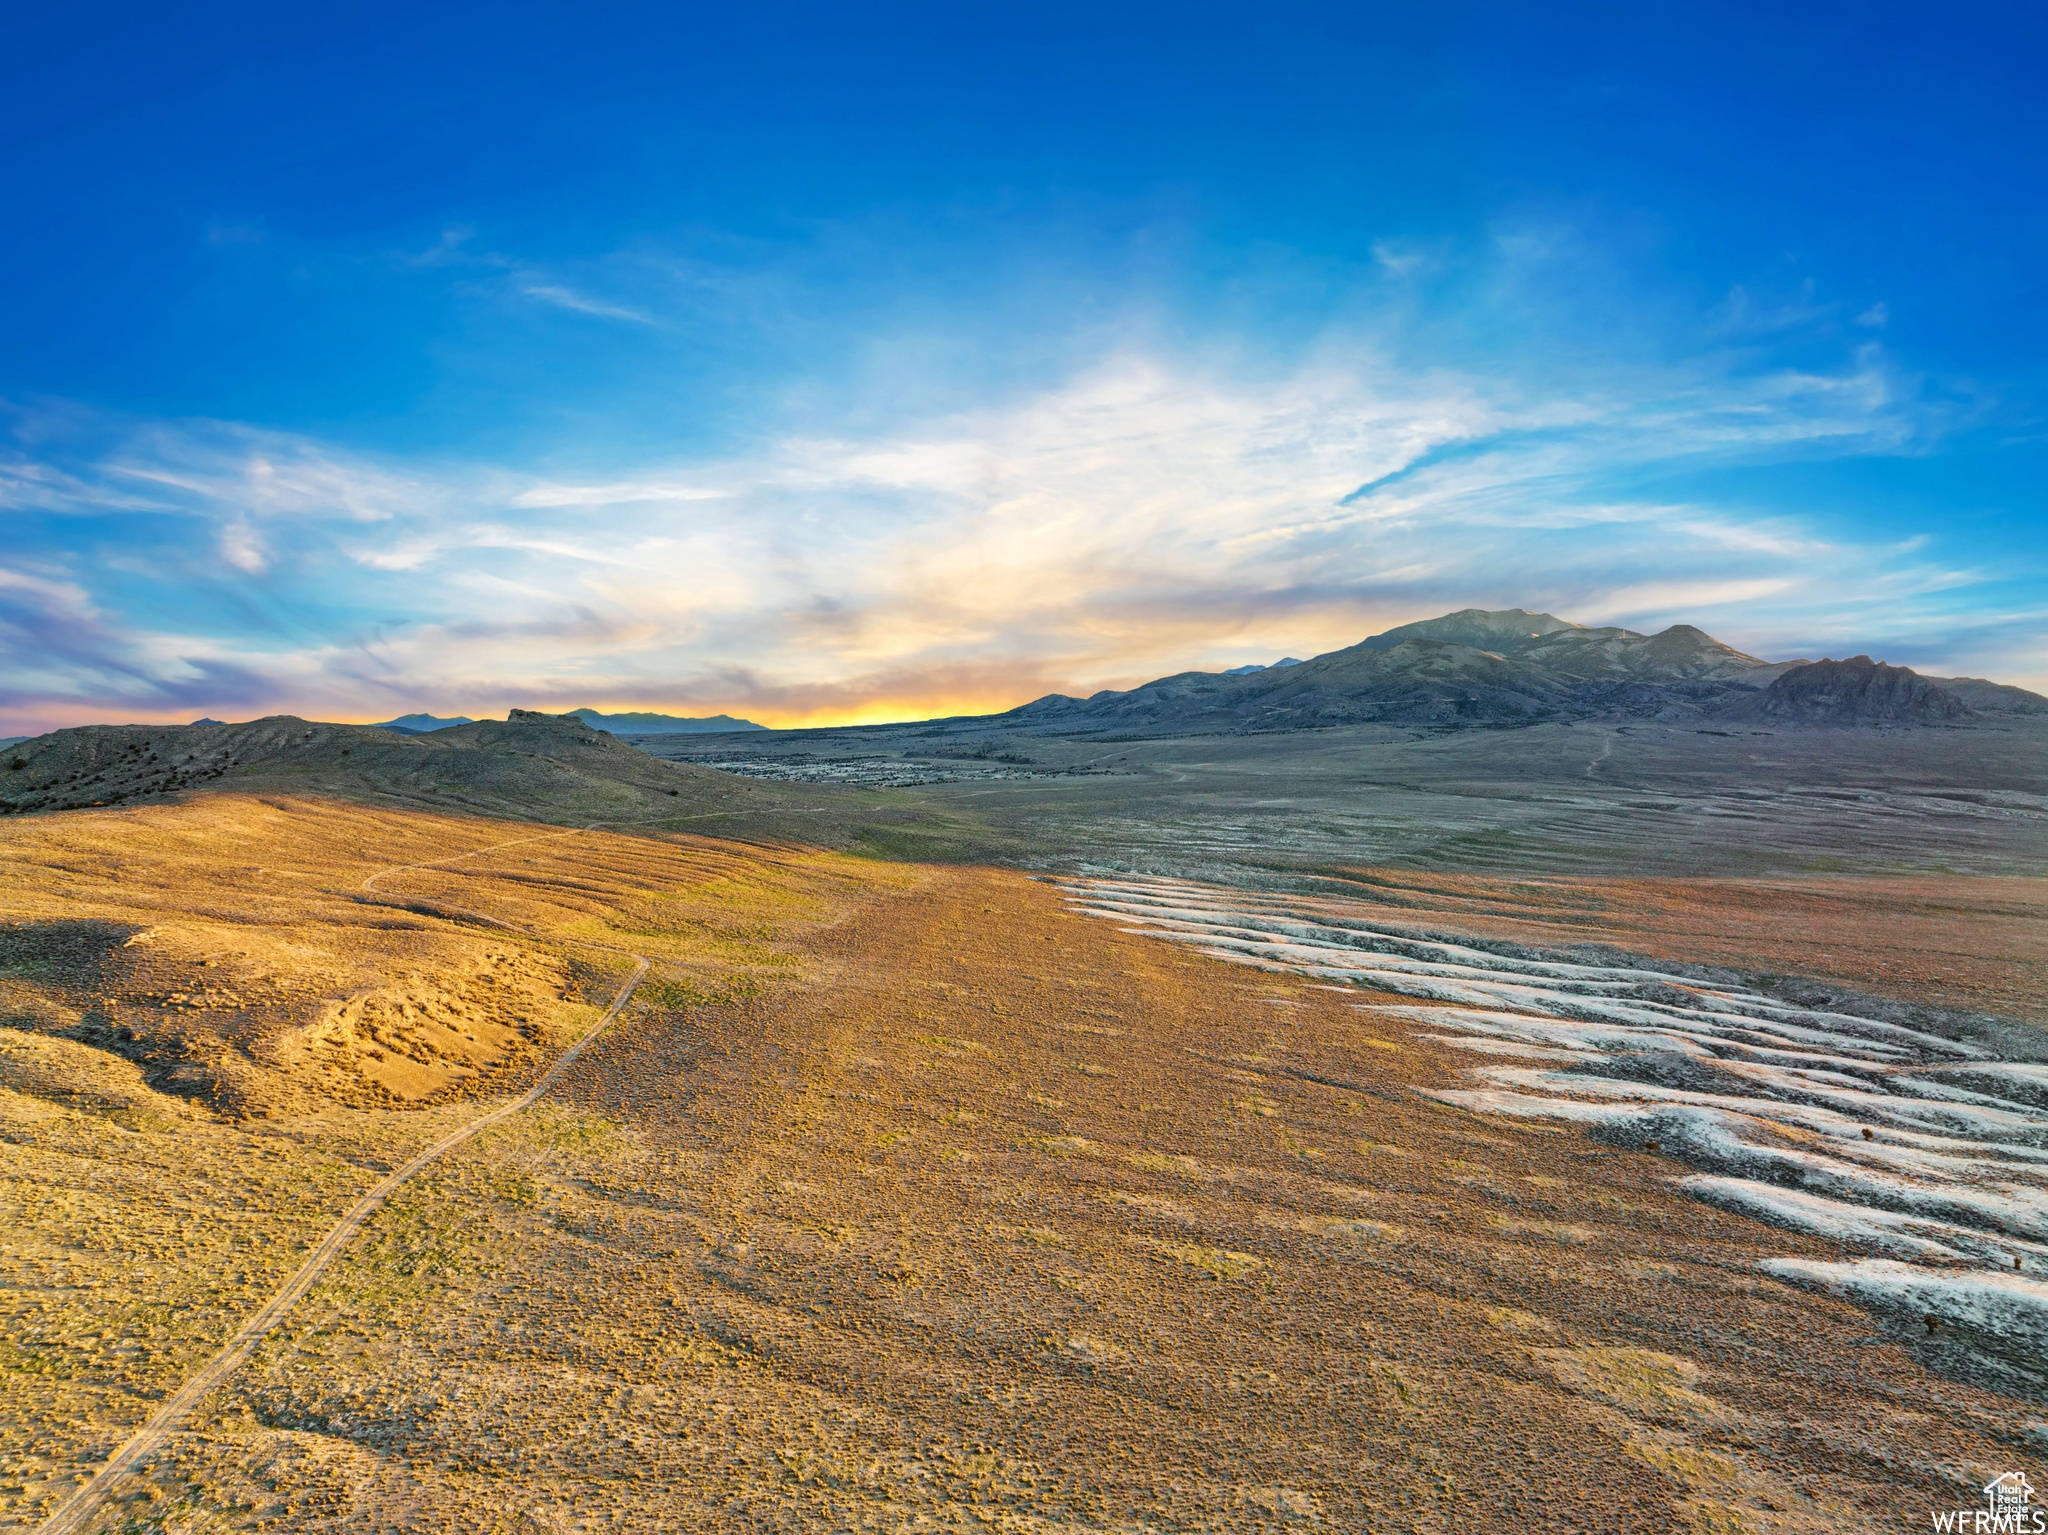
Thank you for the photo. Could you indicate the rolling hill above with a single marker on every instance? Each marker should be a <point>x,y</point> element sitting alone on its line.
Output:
<point>545,767</point>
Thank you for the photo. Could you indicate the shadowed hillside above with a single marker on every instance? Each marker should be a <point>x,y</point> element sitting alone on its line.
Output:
<point>1858,691</point>
<point>545,767</point>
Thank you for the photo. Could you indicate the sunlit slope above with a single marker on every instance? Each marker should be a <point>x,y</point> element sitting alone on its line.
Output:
<point>228,955</point>
<point>213,1037</point>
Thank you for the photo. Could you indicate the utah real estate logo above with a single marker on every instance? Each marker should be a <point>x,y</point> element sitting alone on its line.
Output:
<point>2008,1510</point>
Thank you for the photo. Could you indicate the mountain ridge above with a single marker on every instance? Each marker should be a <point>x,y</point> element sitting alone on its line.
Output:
<point>616,724</point>
<point>1513,666</point>
<point>661,724</point>
<point>531,765</point>
<point>405,724</point>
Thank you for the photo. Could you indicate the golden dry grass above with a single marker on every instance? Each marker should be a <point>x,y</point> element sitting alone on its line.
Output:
<point>214,1038</point>
<point>919,1203</point>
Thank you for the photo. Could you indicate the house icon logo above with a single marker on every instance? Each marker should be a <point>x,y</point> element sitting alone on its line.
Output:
<point>2008,1510</point>
<point>2009,1493</point>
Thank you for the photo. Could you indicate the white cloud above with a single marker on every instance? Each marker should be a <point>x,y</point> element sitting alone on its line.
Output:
<point>1149,513</point>
<point>550,494</point>
<point>569,298</point>
<point>241,547</point>
<point>66,597</point>
<point>453,249</point>
<point>1404,258</point>
<point>1697,597</point>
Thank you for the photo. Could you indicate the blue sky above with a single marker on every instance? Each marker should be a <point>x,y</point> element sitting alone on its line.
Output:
<point>817,362</point>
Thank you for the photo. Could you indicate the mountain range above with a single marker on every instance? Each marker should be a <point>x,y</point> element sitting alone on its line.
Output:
<point>617,724</point>
<point>1478,667</point>
<point>1474,667</point>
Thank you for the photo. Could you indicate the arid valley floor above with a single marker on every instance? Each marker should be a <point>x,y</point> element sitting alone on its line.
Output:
<point>938,1191</point>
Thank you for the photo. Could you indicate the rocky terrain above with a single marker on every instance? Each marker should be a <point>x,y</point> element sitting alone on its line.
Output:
<point>1858,691</point>
<point>1991,697</point>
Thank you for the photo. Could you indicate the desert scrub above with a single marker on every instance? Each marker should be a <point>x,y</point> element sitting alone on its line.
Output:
<point>678,995</point>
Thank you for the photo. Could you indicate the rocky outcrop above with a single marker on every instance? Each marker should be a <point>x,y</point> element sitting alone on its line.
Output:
<point>1858,691</point>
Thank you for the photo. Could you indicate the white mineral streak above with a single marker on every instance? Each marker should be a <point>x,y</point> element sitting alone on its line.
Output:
<point>1899,1141</point>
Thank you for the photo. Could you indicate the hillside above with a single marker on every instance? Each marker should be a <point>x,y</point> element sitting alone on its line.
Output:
<point>1858,691</point>
<point>1572,650</point>
<point>1418,680</point>
<point>1504,631</point>
<point>1991,697</point>
<point>543,767</point>
<point>1467,668</point>
<point>907,1198</point>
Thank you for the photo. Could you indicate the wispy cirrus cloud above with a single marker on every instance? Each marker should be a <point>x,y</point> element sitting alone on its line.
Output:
<point>627,493</point>
<point>1148,512</point>
<point>455,249</point>
<point>563,297</point>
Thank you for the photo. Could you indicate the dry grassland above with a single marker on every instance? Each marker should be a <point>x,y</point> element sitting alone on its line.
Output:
<point>215,1039</point>
<point>899,1199</point>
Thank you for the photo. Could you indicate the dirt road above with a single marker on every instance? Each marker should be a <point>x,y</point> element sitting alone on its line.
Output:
<point>78,1512</point>
<point>1010,1220</point>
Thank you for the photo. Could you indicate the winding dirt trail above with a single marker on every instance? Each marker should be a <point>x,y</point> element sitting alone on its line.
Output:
<point>1606,751</point>
<point>146,1440</point>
